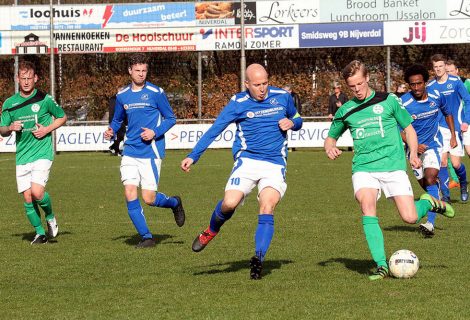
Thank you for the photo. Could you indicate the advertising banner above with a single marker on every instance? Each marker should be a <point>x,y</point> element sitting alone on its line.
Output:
<point>381,10</point>
<point>426,32</point>
<point>149,15</point>
<point>218,13</point>
<point>458,9</point>
<point>65,17</point>
<point>256,37</point>
<point>288,12</point>
<point>181,136</point>
<point>341,34</point>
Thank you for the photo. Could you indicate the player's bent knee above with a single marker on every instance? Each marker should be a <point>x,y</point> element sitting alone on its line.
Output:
<point>410,219</point>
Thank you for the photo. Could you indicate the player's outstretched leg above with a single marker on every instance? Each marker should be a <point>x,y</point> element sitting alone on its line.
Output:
<point>218,218</point>
<point>437,206</point>
<point>379,274</point>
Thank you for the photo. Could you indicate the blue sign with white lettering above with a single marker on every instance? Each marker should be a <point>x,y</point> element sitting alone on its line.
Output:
<point>341,34</point>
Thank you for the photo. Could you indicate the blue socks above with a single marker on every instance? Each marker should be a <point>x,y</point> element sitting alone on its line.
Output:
<point>164,201</point>
<point>136,213</point>
<point>444,181</point>
<point>433,190</point>
<point>264,234</point>
<point>462,174</point>
<point>218,218</point>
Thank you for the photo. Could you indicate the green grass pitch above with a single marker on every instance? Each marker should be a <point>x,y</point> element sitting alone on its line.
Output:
<point>316,267</point>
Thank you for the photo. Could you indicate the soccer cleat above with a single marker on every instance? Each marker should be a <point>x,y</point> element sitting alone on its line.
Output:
<point>379,274</point>
<point>52,228</point>
<point>454,184</point>
<point>464,192</point>
<point>39,239</point>
<point>439,206</point>
<point>178,212</point>
<point>203,239</point>
<point>427,229</point>
<point>146,243</point>
<point>256,266</point>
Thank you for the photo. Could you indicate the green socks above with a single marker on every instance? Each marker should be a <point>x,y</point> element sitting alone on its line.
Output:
<point>46,205</point>
<point>375,240</point>
<point>34,218</point>
<point>422,208</point>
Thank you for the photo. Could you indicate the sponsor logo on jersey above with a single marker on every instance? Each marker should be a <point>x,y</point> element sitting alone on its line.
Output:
<point>126,107</point>
<point>432,104</point>
<point>144,96</point>
<point>449,86</point>
<point>35,107</point>
<point>360,133</point>
<point>250,114</point>
<point>378,109</point>
<point>273,101</point>
<point>414,116</point>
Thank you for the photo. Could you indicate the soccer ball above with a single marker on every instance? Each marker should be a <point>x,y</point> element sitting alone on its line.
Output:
<point>403,264</point>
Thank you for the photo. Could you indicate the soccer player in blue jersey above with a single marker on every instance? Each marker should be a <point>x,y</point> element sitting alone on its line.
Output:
<point>455,93</point>
<point>263,114</point>
<point>425,108</point>
<point>149,117</point>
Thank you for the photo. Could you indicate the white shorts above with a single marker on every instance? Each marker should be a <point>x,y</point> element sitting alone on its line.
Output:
<point>457,151</point>
<point>33,172</point>
<point>247,173</point>
<point>431,158</point>
<point>466,138</point>
<point>393,183</point>
<point>143,172</point>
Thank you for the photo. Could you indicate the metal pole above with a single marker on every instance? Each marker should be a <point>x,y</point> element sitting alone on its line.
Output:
<point>17,85</point>
<point>199,85</point>
<point>388,89</point>
<point>51,46</point>
<point>242,48</point>
<point>52,66</point>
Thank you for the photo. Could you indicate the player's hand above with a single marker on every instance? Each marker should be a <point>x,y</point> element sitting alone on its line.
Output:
<point>422,148</point>
<point>147,134</point>
<point>415,162</point>
<point>15,126</point>
<point>464,127</point>
<point>186,164</point>
<point>41,131</point>
<point>453,142</point>
<point>333,153</point>
<point>285,124</point>
<point>108,134</point>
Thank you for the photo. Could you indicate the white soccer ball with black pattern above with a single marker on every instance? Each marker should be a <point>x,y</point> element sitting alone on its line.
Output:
<point>403,264</point>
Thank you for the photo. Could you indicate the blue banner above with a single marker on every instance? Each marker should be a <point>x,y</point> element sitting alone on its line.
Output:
<point>341,35</point>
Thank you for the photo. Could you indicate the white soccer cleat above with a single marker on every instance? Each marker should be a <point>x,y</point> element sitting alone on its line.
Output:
<point>52,228</point>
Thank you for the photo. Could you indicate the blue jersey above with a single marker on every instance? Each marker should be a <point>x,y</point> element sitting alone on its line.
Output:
<point>258,135</point>
<point>145,108</point>
<point>455,93</point>
<point>426,114</point>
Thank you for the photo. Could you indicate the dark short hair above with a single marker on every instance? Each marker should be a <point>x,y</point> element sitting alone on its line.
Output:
<point>354,67</point>
<point>138,58</point>
<point>450,62</point>
<point>438,57</point>
<point>26,65</point>
<point>416,69</point>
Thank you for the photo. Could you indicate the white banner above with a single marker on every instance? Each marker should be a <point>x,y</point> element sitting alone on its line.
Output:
<point>181,136</point>
<point>288,12</point>
<point>427,32</point>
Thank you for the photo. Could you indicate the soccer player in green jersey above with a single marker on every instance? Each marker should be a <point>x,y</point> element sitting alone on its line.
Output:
<point>33,115</point>
<point>379,159</point>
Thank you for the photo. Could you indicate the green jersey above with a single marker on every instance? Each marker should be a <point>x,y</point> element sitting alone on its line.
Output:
<point>373,123</point>
<point>37,108</point>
